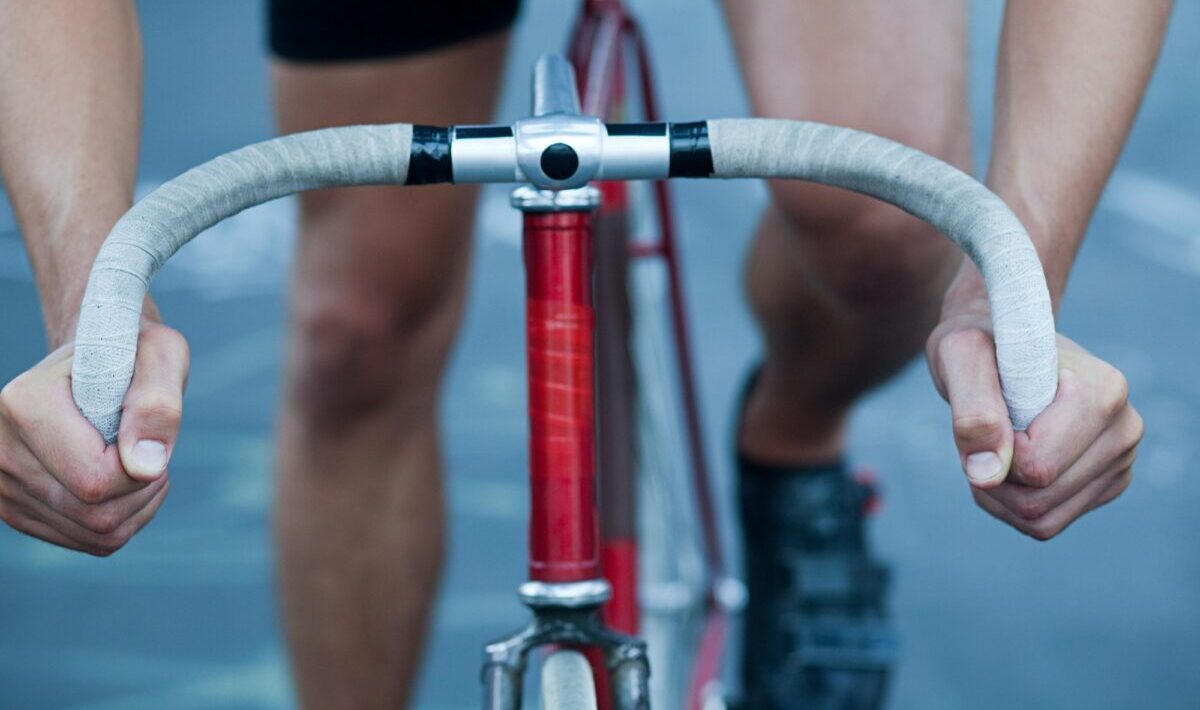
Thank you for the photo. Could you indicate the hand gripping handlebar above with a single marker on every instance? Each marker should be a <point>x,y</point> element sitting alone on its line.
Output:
<point>558,149</point>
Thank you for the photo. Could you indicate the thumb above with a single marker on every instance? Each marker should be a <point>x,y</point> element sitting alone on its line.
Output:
<point>153,406</point>
<point>982,430</point>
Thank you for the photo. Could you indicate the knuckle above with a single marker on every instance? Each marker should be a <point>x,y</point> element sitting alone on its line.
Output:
<point>102,520</point>
<point>1029,508</point>
<point>165,337</point>
<point>90,485</point>
<point>160,408</point>
<point>964,340</point>
<point>167,348</point>
<point>970,427</point>
<point>9,517</point>
<point>1137,430</point>
<point>103,549</point>
<point>1042,532</point>
<point>91,492</point>
<point>1126,482</point>
<point>1116,391</point>
<point>13,397</point>
<point>1036,472</point>
<point>984,500</point>
<point>113,542</point>
<point>1127,462</point>
<point>1042,529</point>
<point>22,524</point>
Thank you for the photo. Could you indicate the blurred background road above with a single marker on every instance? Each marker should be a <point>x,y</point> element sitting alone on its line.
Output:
<point>1107,616</point>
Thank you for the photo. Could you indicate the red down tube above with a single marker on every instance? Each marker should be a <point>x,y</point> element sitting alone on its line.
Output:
<point>563,523</point>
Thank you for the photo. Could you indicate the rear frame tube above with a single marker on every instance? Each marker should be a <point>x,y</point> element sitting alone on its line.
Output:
<point>559,326</point>
<point>596,50</point>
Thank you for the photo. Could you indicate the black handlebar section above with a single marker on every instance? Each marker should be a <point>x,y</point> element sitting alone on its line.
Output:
<point>691,154</point>
<point>429,161</point>
<point>684,149</point>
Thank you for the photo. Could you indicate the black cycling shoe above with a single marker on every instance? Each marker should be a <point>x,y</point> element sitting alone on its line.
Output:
<point>816,634</point>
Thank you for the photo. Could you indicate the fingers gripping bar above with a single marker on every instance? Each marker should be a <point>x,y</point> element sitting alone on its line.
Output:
<point>558,151</point>
<point>948,199</point>
<point>157,226</point>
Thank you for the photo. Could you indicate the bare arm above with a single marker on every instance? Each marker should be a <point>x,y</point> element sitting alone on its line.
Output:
<point>1071,75</point>
<point>70,115</point>
<point>1070,78</point>
<point>70,96</point>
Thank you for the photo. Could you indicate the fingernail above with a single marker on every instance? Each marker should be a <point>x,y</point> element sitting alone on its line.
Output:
<point>983,467</point>
<point>149,457</point>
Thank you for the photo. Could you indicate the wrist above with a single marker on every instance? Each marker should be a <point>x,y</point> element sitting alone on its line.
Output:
<point>1056,230</point>
<point>62,246</point>
<point>965,294</point>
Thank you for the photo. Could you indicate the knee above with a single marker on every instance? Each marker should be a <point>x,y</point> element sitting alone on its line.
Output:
<point>350,360</point>
<point>865,252</point>
<point>358,352</point>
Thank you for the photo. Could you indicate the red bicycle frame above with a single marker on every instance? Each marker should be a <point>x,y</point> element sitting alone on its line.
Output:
<point>570,538</point>
<point>563,523</point>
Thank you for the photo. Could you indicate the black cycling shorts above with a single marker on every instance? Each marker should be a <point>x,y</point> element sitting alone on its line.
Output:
<point>349,30</point>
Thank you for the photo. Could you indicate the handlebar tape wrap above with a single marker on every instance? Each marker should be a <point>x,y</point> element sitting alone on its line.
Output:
<point>948,199</point>
<point>157,226</point>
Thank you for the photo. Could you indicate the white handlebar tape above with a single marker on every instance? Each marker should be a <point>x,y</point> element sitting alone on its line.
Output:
<point>940,194</point>
<point>954,203</point>
<point>156,227</point>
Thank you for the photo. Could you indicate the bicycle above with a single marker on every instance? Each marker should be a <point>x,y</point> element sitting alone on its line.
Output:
<point>583,588</point>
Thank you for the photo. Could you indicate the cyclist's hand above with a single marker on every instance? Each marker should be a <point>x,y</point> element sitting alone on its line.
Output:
<point>58,480</point>
<point>1076,456</point>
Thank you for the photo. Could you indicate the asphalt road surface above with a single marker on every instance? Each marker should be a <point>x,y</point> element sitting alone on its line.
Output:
<point>185,617</point>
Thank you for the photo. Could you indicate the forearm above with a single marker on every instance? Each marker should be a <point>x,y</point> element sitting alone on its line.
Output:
<point>1070,77</point>
<point>70,116</point>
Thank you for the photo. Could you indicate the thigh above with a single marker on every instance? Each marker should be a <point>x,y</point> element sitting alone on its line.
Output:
<point>897,68</point>
<point>378,266</point>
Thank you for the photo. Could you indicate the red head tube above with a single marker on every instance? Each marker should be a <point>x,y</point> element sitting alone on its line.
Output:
<point>563,524</point>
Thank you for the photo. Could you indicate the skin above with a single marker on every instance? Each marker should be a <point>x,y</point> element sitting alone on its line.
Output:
<point>69,175</point>
<point>377,294</point>
<point>359,519</point>
<point>1071,76</point>
<point>838,282</point>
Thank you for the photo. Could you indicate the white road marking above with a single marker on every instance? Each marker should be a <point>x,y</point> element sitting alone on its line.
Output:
<point>489,499</point>
<point>250,253</point>
<point>1170,210</point>
<point>261,683</point>
<point>14,263</point>
<point>235,362</point>
<point>497,222</point>
<point>463,612</point>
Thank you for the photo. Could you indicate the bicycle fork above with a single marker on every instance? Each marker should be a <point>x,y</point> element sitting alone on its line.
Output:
<point>566,590</point>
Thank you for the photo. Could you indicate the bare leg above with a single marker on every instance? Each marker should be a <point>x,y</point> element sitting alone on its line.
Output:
<point>845,288</point>
<point>379,286</point>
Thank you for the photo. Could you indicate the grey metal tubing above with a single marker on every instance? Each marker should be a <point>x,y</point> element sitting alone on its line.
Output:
<point>631,684</point>
<point>501,687</point>
<point>554,89</point>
